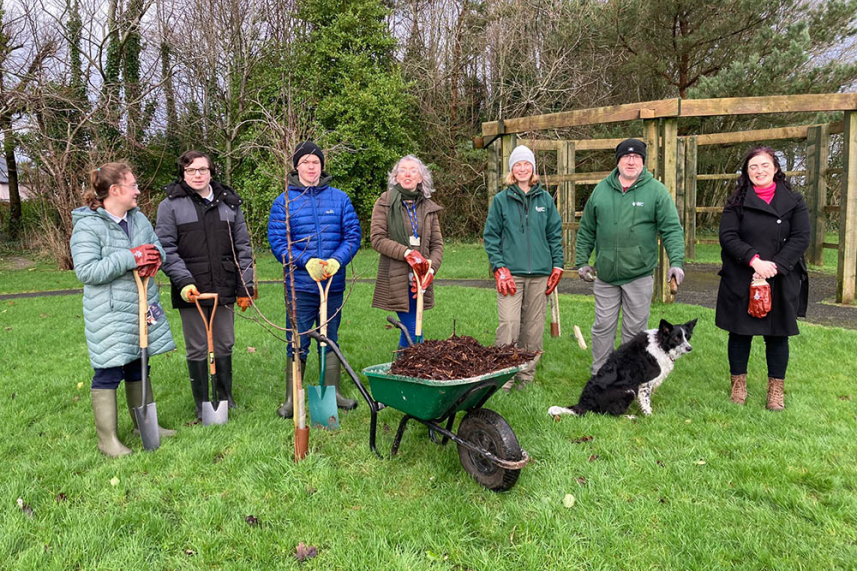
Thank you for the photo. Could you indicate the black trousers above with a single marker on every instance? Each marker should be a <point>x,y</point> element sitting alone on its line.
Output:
<point>776,353</point>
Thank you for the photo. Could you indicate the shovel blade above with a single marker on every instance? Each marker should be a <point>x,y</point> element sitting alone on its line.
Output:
<point>147,423</point>
<point>322,407</point>
<point>211,415</point>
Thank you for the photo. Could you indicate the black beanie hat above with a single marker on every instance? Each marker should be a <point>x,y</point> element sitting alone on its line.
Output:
<point>307,148</point>
<point>629,146</point>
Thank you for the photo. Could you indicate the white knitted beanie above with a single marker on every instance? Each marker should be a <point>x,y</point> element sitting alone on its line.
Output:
<point>522,153</point>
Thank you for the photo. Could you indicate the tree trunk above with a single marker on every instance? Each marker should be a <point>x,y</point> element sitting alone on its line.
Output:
<point>15,214</point>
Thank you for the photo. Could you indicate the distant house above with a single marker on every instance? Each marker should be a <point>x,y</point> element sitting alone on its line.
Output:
<point>4,184</point>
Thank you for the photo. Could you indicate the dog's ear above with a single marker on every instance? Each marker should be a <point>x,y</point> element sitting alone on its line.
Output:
<point>665,327</point>
<point>690,325</point>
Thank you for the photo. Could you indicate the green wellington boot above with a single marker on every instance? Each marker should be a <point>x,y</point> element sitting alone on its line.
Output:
<point>133,393</point>
<point>198,372</point>
<point>224,378</point>
<point>332,374</point>
<point>104,409</point>
<point>287,410</point>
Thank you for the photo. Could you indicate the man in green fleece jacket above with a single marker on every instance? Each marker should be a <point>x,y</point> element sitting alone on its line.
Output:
<point>621,222</point>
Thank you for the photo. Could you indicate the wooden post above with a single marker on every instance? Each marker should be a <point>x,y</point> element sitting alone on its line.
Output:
<point>650,135</point>
<point>690,198</point>
<point>817,155</point>
<point>493,175</point>
<point>669,150</point>
<point>680,178</point>
<point>847,270</point>
<point>509,142</point>
<point>567,201</point>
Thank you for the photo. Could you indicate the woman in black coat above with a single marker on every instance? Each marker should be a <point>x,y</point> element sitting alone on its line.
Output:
<point>764,233</point>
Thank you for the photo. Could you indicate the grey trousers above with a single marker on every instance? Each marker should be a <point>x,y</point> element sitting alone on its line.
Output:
<point>522,319</point>
<point>222,330</point>
<point>635,301</point>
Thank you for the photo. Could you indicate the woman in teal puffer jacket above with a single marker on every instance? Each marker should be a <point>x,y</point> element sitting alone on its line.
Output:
<point>111,238</point>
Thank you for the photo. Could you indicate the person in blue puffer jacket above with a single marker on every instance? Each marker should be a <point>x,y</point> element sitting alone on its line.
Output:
<point>325,236</point>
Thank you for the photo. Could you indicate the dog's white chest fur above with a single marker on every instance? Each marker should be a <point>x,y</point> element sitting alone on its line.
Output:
<point>666,364</point>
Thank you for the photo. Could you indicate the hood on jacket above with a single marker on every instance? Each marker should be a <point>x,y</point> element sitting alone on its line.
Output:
<point>296,184</point>
<point>613,178</point>
<point>85,212</point>
<point>180,189</point>
<point>516,191</point>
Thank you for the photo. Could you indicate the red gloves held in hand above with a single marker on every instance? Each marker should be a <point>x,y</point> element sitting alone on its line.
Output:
<point>760,298</point>
<point>145,254</point>
<point>553,280</point>
<point>505,282</point>
<point>243,303</point>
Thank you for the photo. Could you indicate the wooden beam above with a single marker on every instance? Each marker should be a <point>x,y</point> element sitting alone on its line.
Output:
<point>756,135</point>
<point>831,208</point>
<point>507,143</point>
<point>831,246</point>
<point>492,174</point>
<point>770,104</point>
<point>817,154</point>
<point>565,165</point>
<point>592,116</point>
<point>734,176</point>
<point>690,198</point>
<point>847,269</point>
<point>579,177</point>
<point>669,150</point>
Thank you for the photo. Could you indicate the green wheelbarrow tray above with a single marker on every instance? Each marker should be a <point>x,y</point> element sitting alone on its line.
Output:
<point>429,399</point>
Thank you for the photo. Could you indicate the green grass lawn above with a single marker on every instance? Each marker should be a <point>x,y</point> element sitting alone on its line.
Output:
<point>701,484</point>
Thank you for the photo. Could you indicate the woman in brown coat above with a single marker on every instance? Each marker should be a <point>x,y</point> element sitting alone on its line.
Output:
<point>405,228</point>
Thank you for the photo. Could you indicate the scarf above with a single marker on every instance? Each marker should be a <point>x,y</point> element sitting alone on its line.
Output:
<point>396,228</point>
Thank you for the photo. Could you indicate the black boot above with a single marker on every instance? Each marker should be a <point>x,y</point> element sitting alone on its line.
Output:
<point>332,374</point>
<point>198,371</point>
<point>287,410</point>
<point>224,378</point>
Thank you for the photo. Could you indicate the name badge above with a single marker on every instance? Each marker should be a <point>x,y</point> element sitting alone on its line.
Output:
<point>414,241</point>
<point>154,314</point>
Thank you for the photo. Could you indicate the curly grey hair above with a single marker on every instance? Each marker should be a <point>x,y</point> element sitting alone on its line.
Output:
<point>425,173</point>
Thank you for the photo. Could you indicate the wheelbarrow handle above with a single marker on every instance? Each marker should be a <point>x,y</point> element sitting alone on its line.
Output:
<point>373,404</point>
<point>401,326</point>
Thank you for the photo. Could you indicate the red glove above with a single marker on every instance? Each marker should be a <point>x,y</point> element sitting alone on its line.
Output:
<point>145,255</point>
<point>243,303</point>
<point>427,279</point>
<point>553,280</point>
<point>760,298</point>
<point>505,282</point>
<point>417,262</point>
<point>151,269</point>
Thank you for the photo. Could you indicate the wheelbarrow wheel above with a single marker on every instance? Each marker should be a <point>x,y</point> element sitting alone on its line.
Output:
<point>490,431</point>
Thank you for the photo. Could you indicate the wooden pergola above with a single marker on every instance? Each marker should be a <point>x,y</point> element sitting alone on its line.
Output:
<point>675,163</point>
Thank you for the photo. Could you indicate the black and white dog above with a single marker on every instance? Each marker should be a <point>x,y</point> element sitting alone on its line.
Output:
<point>635,369</point>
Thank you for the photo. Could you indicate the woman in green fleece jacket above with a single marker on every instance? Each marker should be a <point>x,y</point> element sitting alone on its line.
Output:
<point>523,239</point>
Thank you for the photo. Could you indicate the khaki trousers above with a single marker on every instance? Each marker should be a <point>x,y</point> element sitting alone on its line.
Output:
<point>522,319</point>
<point>634,299</point>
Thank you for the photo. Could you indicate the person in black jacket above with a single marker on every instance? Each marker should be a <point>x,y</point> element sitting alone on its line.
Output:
<point>764,233</point>
<point>202,230</point>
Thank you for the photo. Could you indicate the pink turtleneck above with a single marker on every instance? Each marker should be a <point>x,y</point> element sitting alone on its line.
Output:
<point>767,193</point>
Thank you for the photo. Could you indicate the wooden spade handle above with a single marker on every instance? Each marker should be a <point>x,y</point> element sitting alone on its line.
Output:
<point>142,307</point>
<point>208,324</point>
<point>673,286</point>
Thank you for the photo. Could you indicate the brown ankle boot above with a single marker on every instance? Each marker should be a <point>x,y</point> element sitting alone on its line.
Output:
<point>775,394</point>
<point>739,388</point>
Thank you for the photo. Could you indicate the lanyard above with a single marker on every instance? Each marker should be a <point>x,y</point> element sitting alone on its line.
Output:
<point>411,209</point>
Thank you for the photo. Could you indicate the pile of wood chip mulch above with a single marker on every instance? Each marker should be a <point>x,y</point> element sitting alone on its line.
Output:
<point>456,358</point>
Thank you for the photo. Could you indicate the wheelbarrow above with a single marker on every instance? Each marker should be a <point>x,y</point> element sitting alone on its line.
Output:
<point>487,446</point>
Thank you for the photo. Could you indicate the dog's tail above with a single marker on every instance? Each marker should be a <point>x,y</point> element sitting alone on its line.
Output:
<point>559,410</point>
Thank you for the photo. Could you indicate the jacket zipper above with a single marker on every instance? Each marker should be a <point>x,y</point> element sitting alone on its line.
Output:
<point>317,224</point>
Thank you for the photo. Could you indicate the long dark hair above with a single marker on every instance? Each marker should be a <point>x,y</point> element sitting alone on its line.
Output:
<point>743,184</point>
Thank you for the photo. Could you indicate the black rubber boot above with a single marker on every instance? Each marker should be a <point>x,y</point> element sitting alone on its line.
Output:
<point>287,410</point>
<point>332,374</point>
<point>133,395</point>
<point>198,371</point>
<point>224,378</point>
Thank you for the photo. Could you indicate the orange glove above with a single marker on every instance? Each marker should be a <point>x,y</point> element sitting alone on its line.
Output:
<point>760,298</point>
<point>553,280</point>
<point>505,282</point>
<point>427,279</point>
<point>244,303</point>
<point>145,254</point>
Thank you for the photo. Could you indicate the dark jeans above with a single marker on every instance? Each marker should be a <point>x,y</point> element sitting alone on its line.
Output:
<point>307,316</point>
<point>776,353</point>
<point>110,377</point>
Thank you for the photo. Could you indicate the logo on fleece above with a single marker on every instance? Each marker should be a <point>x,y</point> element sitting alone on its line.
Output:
<point>540,208</point>
<point>636,204</point>
<point>330,211</point>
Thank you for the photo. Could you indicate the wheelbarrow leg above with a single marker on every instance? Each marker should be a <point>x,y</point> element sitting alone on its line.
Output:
<point>373,429</point>
<point>398,439</point>
<point>449,424</point>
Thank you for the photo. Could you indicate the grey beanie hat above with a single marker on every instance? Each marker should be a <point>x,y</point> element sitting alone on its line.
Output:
<point>522,153</point>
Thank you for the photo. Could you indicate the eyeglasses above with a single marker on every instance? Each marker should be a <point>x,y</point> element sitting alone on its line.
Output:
<point>202,171</point>
<point>134,186</point>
